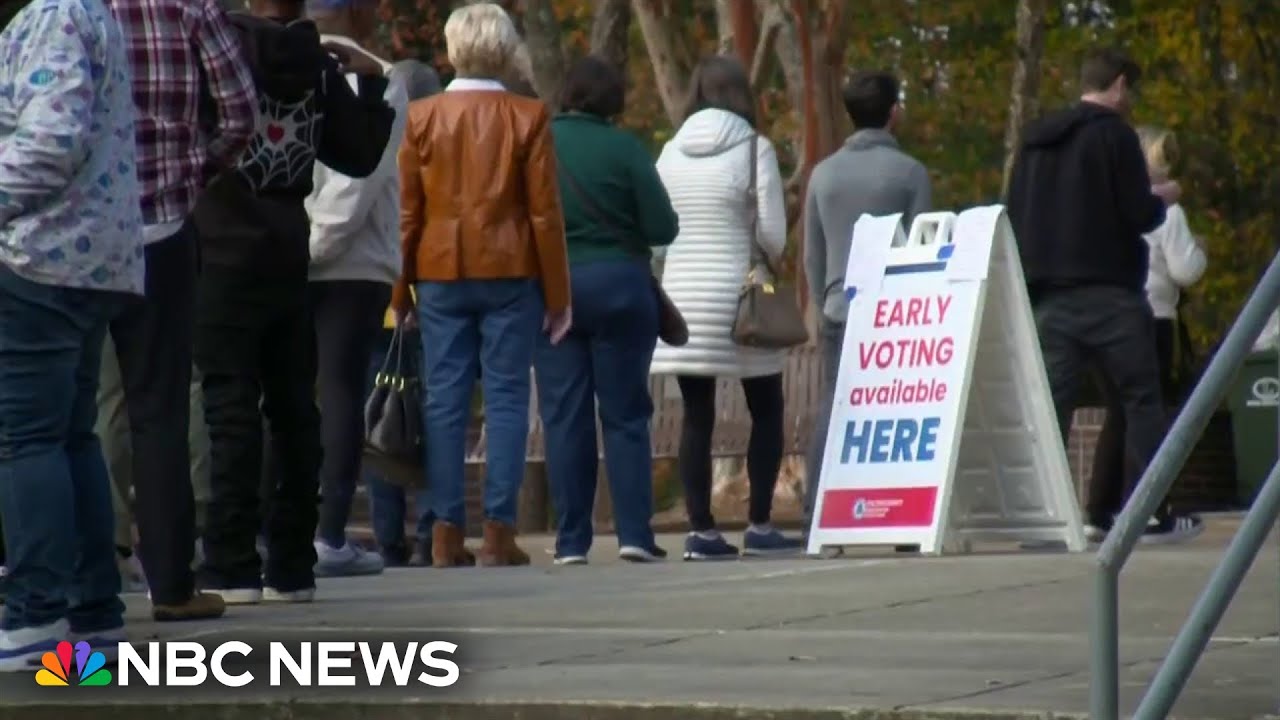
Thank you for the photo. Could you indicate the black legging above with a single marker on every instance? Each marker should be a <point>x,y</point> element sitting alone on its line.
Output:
<point>1112,470</point>
<point>348,315</point>
<point>764,449</point>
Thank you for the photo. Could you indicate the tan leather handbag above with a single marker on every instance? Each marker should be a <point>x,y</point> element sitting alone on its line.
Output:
<point>768,315</point>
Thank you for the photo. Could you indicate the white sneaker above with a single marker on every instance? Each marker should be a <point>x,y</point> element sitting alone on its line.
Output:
<point>305,595</point>
<point>570,560</point>
<point>21,649</point>
<point>132,579</point>
<point>237,596</point>
<point>346,561</point>
<point>637,554</point>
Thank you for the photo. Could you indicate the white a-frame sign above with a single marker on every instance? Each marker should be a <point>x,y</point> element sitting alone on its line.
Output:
<point>942,430</point>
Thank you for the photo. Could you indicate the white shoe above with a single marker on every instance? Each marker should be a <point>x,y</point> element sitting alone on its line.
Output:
<point>237,596</point>
<point>346,561</point>
<point>570,560</point>
<point>304,595</point>
<point>21,649</point>
<point>132,579</point>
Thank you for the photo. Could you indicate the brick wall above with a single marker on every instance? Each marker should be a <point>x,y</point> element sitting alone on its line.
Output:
<point>1206,483</point>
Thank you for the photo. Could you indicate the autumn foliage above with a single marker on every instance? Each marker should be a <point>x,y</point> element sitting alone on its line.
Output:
<point>1210,66</point>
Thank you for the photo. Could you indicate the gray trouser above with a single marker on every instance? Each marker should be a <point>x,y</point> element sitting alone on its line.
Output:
<point>113,432</point>
<point>830,340</point>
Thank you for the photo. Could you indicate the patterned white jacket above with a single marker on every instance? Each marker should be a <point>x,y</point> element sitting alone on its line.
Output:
<point>69,194</point>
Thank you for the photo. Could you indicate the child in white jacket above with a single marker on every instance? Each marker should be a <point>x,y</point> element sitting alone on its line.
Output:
<point>1177,262</point>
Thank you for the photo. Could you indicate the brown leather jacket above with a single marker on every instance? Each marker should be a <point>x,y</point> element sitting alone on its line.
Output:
<point>479,198</point>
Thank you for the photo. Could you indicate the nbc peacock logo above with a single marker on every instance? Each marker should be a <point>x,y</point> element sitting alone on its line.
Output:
<point>90,666</point>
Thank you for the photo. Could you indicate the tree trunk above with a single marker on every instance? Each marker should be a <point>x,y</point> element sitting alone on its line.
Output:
<point>667,54</point>
<point>542,34</point>
<point>787,49</point>
<point>822,35</point>
<point>744,31</point>
<point>609,31</point>
<point>1024,101</point>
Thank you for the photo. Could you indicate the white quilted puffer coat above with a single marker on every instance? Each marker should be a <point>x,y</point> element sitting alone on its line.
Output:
<point>705,168</point>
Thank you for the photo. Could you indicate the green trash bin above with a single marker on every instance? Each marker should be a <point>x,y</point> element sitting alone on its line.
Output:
<point>1254,403</point>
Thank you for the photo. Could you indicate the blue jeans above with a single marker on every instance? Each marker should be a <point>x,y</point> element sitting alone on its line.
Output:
<point>489,326</point>
<point>605,357</point>
<point>387,505</point>
<point>55,495</point>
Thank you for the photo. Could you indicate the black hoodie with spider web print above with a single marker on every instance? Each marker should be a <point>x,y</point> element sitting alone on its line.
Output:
<point>252,218</point>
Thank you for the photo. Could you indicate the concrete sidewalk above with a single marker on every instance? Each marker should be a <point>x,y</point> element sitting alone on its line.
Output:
<point>888,636</point>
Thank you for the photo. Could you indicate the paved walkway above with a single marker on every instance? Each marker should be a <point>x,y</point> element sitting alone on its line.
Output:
<point>1005,633</point>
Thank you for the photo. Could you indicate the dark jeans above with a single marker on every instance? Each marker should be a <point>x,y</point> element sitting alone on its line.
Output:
<point>1112,471</point>
<point>830,344</point>
<point>348,314</point>
<point>605,358</point>
<point>490,326</point>
<point>387,502</point>
<point>55,496</point>
<point>764,447</point>
<point>1112,327</point>
<point>153,343</point>
<point>256,351</point>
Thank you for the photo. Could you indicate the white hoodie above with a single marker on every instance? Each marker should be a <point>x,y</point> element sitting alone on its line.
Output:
<point>1177,261</point>
<point>705,169</point>
<point>355,224</point>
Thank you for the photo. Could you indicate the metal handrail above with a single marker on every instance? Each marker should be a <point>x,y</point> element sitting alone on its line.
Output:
<point>1147,498</point>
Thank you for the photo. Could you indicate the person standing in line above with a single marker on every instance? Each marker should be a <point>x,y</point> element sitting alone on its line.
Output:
<point>1080,201</point>
<point>482,238</point>
<point>706,169</point>
<point>869,175</point>
<point>387,502</point>
<point>616,210</point>
<point>255,337</point>
<point>181,52</point>
<point>113,432</point>
<point>71,256</point>
<point>1176,262</point>
<point>355,258</point>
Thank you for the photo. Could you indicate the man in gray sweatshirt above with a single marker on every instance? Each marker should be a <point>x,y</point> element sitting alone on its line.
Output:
<point>868,175</point>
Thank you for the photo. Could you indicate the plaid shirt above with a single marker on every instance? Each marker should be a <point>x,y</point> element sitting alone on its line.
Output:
<point>175,48</point>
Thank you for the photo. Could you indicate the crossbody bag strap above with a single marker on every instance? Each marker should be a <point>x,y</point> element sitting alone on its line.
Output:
<point>597,213</point>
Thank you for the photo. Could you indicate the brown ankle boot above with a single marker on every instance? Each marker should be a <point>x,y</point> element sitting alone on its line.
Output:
<point>500,546</point>
<point>447,548</point>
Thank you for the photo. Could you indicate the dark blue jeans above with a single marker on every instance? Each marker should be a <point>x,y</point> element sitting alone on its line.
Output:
<point>606,358</point>
<point>55,496</point>
<point>489,326</point>
<point>387,506</point>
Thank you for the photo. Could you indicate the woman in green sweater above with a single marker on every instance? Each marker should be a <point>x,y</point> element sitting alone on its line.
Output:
<point>616,210</point>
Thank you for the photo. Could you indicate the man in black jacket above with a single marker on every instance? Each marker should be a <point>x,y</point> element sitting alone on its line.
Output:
<point>255,340</point>
<point>1080,200</point>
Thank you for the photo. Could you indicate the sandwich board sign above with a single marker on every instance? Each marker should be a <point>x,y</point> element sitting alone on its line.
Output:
<point>943,431</point>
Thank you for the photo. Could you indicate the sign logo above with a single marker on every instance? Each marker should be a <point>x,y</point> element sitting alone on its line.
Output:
<point>859,508</point>
<point>1266,392</point>
<point>90,667</point>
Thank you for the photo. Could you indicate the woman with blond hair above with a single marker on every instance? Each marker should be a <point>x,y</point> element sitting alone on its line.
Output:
<point>1177,262</point>
<point>482,238</point>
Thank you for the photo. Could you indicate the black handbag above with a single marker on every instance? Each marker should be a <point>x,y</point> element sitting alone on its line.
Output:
<point>393,446</point>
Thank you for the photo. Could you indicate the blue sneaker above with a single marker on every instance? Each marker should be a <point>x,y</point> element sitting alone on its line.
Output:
<point>697,547</point>
<point>106,642</point>
<point>769,542</point>
<point>22,648</point>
